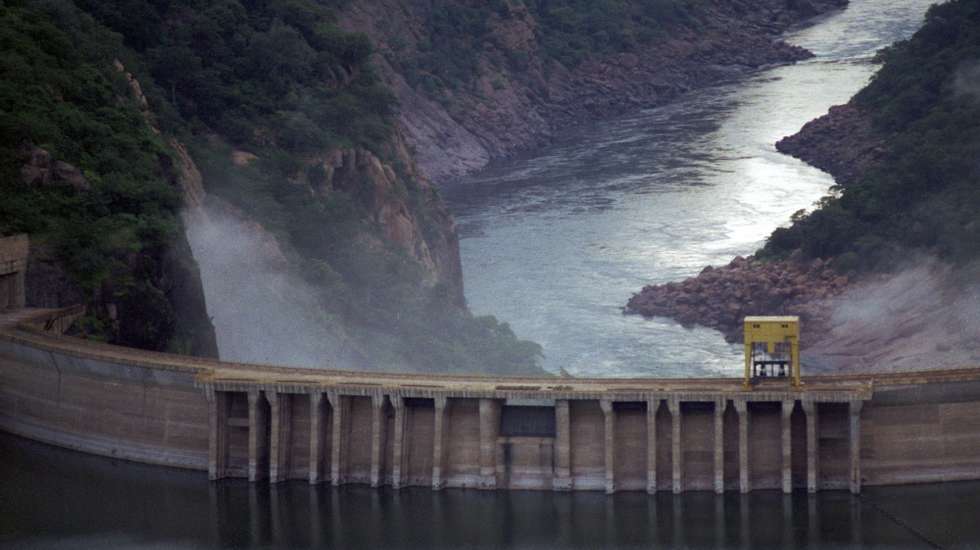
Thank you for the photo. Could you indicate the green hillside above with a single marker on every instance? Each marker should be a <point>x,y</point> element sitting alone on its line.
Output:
<point>275,78</point>
<point>923,191</point>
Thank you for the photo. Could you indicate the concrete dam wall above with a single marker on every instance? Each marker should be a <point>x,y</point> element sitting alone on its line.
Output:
<point>275,424</point>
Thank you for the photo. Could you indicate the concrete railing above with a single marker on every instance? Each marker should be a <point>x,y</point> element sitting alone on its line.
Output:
<point>276,423</point>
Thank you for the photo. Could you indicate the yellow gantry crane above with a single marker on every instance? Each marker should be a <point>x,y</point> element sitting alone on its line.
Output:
<point>772,349</point>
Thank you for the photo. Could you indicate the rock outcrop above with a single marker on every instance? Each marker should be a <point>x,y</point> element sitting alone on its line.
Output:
<point>842,143</point>
<point>42,170</point>
<point>520,98</point>
<point>721,297</point>
<point>424,230</point>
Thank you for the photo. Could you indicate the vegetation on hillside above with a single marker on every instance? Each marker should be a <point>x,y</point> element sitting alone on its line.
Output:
<point>276,78</point>
<point>568,32</point>
<point>59,91</point>
<point>924,193</point>
<point>572,30</point>
<point>273,74</point>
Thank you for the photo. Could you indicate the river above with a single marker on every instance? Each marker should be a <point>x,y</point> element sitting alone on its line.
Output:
<point>556,242</point>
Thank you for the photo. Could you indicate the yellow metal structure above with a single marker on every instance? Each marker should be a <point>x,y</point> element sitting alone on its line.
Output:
<point>772,346</point>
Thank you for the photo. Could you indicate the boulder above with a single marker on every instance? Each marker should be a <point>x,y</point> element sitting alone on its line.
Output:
<point>41,170</point>
<point>719,298</point>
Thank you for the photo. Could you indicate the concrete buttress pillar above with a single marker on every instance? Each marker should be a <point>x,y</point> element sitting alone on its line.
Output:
<point>489,428</point>
<point>741,407</point>
<point>377,437</point>
<point>439,449</point>
<point>855,445</point>
<point>652,406</point>
<point>609,439</point>
<point>398,445</point>
<point>812,452</point>
<point>280,444</point>
<point>338,438</point>
<point>217,433</point>
<point>316,436</point>
<point>787,441</point>
<point>720,446</point>
<point>19,294</point>
<point>563,447</point>
<point>257,444</point>
<point>675,443</point>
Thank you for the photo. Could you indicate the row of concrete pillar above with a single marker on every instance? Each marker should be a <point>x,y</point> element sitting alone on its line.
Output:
<point>279,424</point>
<point>563,447</point>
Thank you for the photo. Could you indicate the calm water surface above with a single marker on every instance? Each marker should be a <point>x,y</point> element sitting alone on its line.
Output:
<point>556,243</point>
<point>53,498</point>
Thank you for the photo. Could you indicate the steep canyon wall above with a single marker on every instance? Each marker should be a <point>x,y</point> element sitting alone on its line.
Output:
<point>516,87</point>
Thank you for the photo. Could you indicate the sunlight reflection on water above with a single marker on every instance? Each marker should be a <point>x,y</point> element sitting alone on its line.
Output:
<point>555,243</point>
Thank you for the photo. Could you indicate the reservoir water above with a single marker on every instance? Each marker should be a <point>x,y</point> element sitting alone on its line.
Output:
<point>53,498</point>
<point>556,242</point>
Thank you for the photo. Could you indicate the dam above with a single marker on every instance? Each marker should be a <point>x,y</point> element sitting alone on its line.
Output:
<point>273,424</point>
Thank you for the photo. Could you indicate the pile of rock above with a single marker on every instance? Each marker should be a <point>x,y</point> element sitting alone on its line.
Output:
<point>41,170</point>
<point>843,142</point>
<point>721,297</point>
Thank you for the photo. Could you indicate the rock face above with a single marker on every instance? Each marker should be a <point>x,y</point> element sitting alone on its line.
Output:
<point>426,232</point>
<point>522,101</point>
<point>276,302</point>
<point>181,272</point>
<point>721,297</point>
<point>842,143</point>
<point>41,170</point>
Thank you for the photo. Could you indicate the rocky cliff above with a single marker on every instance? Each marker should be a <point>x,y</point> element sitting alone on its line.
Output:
<point>417,223</point>
<point>520,88</point>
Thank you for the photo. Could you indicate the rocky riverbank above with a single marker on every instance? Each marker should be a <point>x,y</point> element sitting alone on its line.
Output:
<point>720,297</point>
<point>842,143</point>
<point>922,316</point>
<point>520,96</point>
<point>902,223</point>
